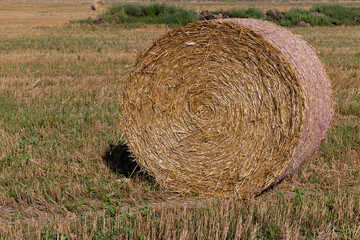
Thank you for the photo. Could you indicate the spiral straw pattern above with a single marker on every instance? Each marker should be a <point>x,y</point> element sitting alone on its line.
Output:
<point>226,107</point>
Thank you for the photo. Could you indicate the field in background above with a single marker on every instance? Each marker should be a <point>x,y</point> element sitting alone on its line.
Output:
<point>137,15</point>
<point>60,140</point>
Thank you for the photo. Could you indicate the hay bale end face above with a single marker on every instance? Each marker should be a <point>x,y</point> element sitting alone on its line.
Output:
<point>226,107</point>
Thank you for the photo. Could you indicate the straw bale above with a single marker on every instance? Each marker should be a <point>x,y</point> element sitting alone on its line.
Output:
<point>97,5</point>
<point>226,107</point>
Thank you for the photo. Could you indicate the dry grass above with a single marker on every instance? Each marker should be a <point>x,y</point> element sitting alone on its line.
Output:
<point>29,15</point>
<point>59,122</point>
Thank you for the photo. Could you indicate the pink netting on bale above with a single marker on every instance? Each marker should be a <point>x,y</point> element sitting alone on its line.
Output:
<point>226,107</point>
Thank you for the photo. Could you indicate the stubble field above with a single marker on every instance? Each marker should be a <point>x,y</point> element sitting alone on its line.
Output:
<point>62,173</point>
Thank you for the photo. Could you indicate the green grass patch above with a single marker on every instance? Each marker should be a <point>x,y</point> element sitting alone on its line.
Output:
<point>248,13</point>
<point>158,14</point>
<point>155,14</point>
<point>342,139</point>
<point>340,15</point>
<point>349,103</point>
<point>242,13</point>
<point>294,16</point>
<point>322,15</point>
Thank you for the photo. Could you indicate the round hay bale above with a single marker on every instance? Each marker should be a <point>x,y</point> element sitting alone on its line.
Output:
<point>97,5</point>
<point>226,107</point>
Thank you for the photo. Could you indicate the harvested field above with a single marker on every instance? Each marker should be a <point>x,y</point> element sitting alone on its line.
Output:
<point>61,142</point>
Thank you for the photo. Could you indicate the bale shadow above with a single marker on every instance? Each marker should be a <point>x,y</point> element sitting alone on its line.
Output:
<point>119,159</point>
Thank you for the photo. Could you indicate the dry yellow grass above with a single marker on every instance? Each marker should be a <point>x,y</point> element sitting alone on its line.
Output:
<point>30,15</point>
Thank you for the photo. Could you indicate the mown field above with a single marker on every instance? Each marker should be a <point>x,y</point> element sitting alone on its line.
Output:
<point>64,173</point>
